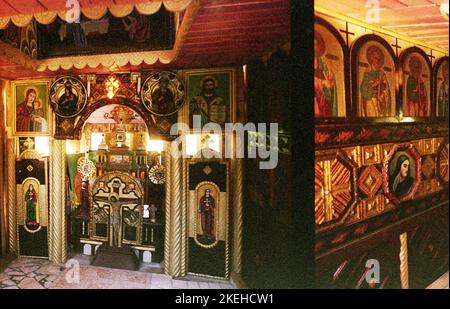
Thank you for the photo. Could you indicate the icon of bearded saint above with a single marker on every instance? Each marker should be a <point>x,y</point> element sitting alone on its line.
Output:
<point>208,104</point>
<point>325,90</point>
<point>443,92</point>
<point>416,93</point>
<point>374,88</point>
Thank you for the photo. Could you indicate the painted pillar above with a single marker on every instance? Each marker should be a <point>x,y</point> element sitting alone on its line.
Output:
<point>175,241</point>
<point>176,219</point>
<point>184,218</point>
<point>237,190</point>
<point>167,251</point>
<point>12,211</point>
<point>57,226</point>
<point>176,207</point>
<point>403,255</point>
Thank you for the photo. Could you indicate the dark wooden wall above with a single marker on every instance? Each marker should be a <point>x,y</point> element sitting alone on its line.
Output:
<point>271,238</point>
<point>428,249</point>
<point>267,202</point>
<point>278,244</point>
<point>344,265</point>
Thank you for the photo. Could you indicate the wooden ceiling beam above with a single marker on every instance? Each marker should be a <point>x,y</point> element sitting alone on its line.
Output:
<point>54,5</point>
<point>433,30</point>
<point>399,18</point>
<point>416,25</point>
<point>242,23</point>
<point>268,36</point>
<point>93,3</point>
<point>239,3</point>
<point>211,49</point>
<point>226,52</point>
<point>278,11</point>
<point>232,40</point>
<point>27,7</point>
<point>250,6</point>
<point>6,9</point>
<point>281,26</point>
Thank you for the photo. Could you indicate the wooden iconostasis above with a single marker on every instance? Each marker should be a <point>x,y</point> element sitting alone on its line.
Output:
<point>79,134</point>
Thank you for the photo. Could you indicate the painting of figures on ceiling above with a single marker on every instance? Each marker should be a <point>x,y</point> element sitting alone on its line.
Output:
<point>442,89</point>
<point>32,109</point>
<point>329,74</point>
<point>375,81</point>
<point>11,35</point>
<point>134,32</point>
<point>416,85</point>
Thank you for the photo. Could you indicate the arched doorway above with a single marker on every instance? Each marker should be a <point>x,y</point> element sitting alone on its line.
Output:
<point>178,207</point>
<point>97,107</point>
<point>116,186</point>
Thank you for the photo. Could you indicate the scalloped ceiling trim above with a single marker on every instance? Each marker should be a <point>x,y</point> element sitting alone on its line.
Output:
<point>119,59</point>
<point>98,12</point>
<point>93,61</point>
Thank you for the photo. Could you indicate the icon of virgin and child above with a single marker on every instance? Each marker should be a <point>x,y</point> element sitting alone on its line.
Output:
<point>30,116</point>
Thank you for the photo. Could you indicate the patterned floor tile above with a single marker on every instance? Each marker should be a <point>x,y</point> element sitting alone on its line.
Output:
<point>28,273</point>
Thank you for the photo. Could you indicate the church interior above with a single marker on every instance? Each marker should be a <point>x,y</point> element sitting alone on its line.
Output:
<point>117,166</point>
<point>381,156</point>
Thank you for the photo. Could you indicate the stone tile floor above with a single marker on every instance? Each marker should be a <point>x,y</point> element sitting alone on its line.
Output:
<point>30,273</point>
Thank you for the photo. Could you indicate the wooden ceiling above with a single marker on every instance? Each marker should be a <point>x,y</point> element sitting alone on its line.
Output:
<point>418,19</point>
<point>232,31</point>
<point>224,32</point>
<point>229,32</point>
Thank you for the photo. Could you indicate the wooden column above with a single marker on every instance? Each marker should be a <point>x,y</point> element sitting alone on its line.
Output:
<point>238,174</point>
<point>57,226</point>
<point>237,182</point>
<point>167,251</point>
<point>175,238</point>
<point>176,219</point>
<point>184,218</point>
<point>11,187</point>
<point>403,255</point>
